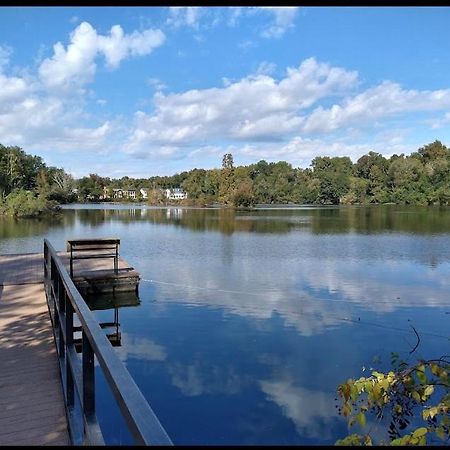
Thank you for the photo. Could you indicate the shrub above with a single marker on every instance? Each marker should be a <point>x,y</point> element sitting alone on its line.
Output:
<point>22,203</point>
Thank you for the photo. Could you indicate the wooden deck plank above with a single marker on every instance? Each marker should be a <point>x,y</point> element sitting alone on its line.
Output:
<point>26,268</point>
<point>31,400</point>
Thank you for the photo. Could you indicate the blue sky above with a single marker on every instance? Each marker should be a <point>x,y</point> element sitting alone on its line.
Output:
<point>144,91</point>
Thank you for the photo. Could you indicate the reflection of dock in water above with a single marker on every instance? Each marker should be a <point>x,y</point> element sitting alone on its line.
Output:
<point>103,285</point>
<point>101,302</point>
<point>96,267</point>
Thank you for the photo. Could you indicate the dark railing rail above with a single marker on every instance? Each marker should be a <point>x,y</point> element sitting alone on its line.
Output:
<point>78,374</point>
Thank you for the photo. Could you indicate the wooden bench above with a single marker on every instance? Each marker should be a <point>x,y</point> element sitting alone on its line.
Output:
<point>94,248</point>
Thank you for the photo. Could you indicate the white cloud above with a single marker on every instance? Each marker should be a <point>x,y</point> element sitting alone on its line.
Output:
<point>235,12</point>
<point>37,123</point>
<point>444,121</point>
<point>185,15</point>
<point>118,46</point>
<point>384,100</point>
<point>75,65</point>
<point>5,53</point>
<point>34,119</point>
<point>275,119</point>
<point>256,107</point>
<point>283,20</point>
<point>34,114</point>
<point>276,20</point>
<point>140,348</point>
<point>156,83</point>
<point>301,150</point>
<point>266,68</point>
<point>308,409</point>
<point>200,377</point>
<point>12,89</point>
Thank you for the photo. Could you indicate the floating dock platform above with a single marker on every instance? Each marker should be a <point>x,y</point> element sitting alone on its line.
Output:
<point>98,276</point>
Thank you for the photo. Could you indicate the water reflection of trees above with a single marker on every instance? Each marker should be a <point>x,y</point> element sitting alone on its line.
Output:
<point>381,218</point>
<point>336,220</point>
<point>11,227</point>
<point>371,219</point>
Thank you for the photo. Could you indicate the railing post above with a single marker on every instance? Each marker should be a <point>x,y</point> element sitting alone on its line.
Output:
<point>88,377</point>
<point>69,343</point>
<point>62,307</point>
<point>71,261</point>
<point>45,264</point>
<point>52,285</point>
<point>116,260</point>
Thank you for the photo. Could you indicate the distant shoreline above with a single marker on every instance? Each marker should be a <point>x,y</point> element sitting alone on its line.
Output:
<point>218,206</point>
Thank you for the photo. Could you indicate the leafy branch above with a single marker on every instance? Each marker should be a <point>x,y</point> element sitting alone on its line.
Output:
<point>403,397</point>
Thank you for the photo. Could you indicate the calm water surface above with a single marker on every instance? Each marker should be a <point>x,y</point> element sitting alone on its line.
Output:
<point>248,321</point>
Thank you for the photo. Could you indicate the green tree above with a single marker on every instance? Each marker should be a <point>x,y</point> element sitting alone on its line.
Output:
<point>408,180</point>
<point>433,151</point>
<point>357,191</point>
<point>333,175</point>
<point>91,187</point>
<point>227,161</point>
<point>227,182</point>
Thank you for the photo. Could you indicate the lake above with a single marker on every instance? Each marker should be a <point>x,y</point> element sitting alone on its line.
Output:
<point>248,320</point>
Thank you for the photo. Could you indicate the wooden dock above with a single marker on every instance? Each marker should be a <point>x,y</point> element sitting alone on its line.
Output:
<point>32,408</point>
<point>96,276</point>
<point>31,403</point>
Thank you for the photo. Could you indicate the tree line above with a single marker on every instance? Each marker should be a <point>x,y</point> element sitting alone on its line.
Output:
<point>421,178</point>
<point>28,186</point>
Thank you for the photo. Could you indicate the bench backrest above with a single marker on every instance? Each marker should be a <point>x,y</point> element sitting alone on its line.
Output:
<point>84,245</point>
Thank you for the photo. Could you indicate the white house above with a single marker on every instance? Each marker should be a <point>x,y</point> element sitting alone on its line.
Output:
<point>129,193</point>
<point>117,193</point>
<point>124,193</point>
<point>144,193</point>
<point>176,194</point>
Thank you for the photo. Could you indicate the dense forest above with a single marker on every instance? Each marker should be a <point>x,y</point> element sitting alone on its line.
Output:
<point>422,178</point>
<point>29,187</point>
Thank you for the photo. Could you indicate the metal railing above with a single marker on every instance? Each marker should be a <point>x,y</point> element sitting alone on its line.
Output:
<point>78,374</point>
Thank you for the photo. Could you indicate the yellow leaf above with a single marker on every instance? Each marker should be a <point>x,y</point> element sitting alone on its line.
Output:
<point>428,390</point>
<point>433,411</point>
<point>361,419</point>
<point>422,431</point>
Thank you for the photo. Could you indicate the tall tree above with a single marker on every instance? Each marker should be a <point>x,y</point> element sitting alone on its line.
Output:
<point>227,161</point>
<point>227,182</point>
